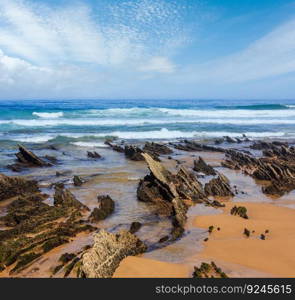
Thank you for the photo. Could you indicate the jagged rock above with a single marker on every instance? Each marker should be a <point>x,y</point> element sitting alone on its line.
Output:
<point>93,154</point>
<point>261,145</point>
<point>134,227</point>
<point>133,153</point>
<point>77,181</point>
<point>15,186</point>
<point>106,207</point>
<point>27,157</point>
<point>208,271</point>
<point>203,167</point>
<point>194,146</point>
<point>108,251</point>
<point>219,187</point>
<point>169,192</point>
<point>115,147</point>
<point>36,228</point>
<point>279,169</point>
<point>64,198</point>
<point>156,149</point>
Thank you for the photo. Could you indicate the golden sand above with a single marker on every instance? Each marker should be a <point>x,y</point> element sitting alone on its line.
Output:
<point>274,255</point>
<point>139,267</point>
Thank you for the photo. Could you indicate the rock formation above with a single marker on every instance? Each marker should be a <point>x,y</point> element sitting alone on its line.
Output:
<point>201,166</point>
<point>169,192</point>
<point>14,186</point>
<point>106,208</point>
<point>278,168</point>
<point>108,251</point>
<point>219,186</point>
<point>93,154</point>
<point>187,145</point>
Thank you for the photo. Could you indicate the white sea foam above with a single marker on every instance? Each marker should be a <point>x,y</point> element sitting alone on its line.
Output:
<point>47,115</point>
<point>90,144</point>
<point>142,122</point>
<point>33,138</point>
<point>166,134</point>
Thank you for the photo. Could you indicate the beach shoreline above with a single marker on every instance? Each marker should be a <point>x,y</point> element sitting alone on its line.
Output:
<point>119,176</point>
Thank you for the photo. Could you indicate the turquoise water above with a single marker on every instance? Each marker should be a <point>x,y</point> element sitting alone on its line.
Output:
<point>88,122</point>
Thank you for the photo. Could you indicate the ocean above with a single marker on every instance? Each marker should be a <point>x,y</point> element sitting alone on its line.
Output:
<point>89,122</point>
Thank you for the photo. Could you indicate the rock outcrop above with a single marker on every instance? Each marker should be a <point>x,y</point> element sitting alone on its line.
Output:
<point>108,251</point>
<point>169,192</point>
<point>35,228</point>
<point>156,149</point>
<point>201,166</point>
<point>64,198</point>
<point>15,186</point>
<point>192,146</point>
<point>106,208</point>
<point>219,186</point>
<point>93,155</point>
<point>26,158</point>
<point>278,168</point>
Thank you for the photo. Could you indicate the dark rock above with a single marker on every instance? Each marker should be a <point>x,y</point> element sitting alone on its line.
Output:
<point>106,208</point>
<point>156,149</point>
<point>108,251</point>
<point>240,211</point>
<point>115,147</point>
<point>64,198</point>
<point>219,187</point>
<point>203,167</point>
<point>15,186</point>
<point>77,181</point>
<point>168,192</point>
<point>279,169</point>
<point>27,157</point>
<point>134,227</point>
<point>133,153</point>
<point>208,271</point>
<point>262,237</point>
<point>93,154</point>
<point>247,232</point>
<point>194,146</point>
<point>36,229</point>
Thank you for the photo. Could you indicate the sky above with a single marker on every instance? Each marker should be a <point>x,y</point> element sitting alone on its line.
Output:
<point>147,49</point>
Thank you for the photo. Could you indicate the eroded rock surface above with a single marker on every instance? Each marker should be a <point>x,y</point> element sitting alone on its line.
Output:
<point>201,166</point>
<point>14,186</point>
<point>168,192</point>
<point>108,251</point>
<point>219,186</point>
<point>106,208</point>
<point>278,168</point>
<point>36,228</point>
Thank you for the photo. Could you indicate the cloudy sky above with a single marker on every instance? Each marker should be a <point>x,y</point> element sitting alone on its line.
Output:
<point>147,49</point>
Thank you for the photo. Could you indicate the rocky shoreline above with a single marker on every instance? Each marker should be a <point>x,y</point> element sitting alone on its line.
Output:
<point>37,219</point>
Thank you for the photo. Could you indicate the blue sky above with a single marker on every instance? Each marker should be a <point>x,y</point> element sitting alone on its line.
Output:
<point>147,49</point>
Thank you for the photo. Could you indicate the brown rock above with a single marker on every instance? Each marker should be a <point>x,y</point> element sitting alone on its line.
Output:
<point>203,167</point>
<point>106,208</point>
<point>16,186</point>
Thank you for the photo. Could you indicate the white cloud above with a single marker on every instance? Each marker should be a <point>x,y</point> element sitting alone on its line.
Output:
<point>73,47</point>
<point>158,64</point>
